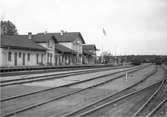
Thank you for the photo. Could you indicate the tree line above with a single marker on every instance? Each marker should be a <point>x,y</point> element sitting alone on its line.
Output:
<point>8,28</point>
<point>134,59</point>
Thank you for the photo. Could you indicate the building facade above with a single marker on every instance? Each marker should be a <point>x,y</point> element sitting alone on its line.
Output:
<point>89,52</point>
<point>48,42</point>
<point>73,41</point>
<point>20,51</point>
<point>46,49</point>
<point>65,48</point>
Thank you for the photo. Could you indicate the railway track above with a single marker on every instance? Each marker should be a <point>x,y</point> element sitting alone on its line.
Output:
<point>152,113</point>
<point>70,84</point>
<point>16,81</point>
<point>151,104</point>
<point>62,96</point>
<point>112,99</point>
<point>154,102</point>
<point>159,110</point>
<point>108,100</point>
<point>35,70</point>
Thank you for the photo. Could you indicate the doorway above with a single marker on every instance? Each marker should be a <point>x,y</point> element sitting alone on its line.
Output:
<point>23,58</point>
<point>15,59</point>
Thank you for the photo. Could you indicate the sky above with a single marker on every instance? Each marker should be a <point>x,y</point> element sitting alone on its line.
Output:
<point>131,26</point>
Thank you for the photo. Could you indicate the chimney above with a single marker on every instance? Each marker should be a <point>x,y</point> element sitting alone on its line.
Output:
<point>29,35</point>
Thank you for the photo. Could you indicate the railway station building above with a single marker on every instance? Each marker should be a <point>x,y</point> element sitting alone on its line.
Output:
<point>53,49</point>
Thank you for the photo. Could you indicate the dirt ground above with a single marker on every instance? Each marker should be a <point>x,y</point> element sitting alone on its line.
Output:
<point>124,108</point>
<point>70,103</point>
<point>66,105</point>
<point>31,87</point>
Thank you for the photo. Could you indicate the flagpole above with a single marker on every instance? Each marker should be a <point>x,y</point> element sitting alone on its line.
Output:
<point>116,61</point>
<point>104,35</point>
<point>0,32</point>
<point>102,50</point>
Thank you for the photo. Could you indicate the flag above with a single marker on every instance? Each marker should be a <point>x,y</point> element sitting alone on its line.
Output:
<point>104,32</point>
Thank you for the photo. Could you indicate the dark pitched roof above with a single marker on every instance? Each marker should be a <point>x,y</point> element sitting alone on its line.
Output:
<point>65,37</point>
<point>89,47</point>
<point>20,42</point>
<point>68,36</point>
<point>40,38</point>
<point>64,49</point>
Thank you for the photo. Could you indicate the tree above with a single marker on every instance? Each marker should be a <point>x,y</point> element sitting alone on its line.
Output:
<point>8,28</point>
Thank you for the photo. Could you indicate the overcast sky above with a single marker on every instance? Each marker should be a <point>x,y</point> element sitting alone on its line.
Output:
<point>132,26</point>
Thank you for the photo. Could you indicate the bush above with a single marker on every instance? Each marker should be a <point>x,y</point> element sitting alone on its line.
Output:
<point>136,63</point>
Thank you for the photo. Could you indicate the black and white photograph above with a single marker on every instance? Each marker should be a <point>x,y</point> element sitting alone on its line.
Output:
<point>83,58</point>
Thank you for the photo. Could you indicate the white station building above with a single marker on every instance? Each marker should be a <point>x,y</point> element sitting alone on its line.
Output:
<point>45,49</point>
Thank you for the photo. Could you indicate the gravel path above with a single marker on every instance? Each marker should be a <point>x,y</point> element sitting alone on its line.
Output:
<point>19,89</point>
<point>132,78</point>
<point>153,79</point>
<point>41,74</point>
<point>66,105</point>
<point>72,79</point>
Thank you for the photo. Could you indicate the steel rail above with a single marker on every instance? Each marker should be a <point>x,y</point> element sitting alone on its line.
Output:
<point>64,95</point>
<point>94,106</point>
<point>111,102</point>
<point>66,85</point>
<point>160,104</point>
<point>40,76</point>
<point>157,107</point>
<point>26,68</point>
<point>53,69</point>
<point>52,76</point>
<point>148,101</point>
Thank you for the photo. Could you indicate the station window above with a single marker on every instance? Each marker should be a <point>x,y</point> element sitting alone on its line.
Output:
<point>28,56</point>
<point>19,54</point>
<point>9,56</point>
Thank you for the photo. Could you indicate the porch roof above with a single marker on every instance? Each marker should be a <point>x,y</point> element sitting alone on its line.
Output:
<point>86,52</point>
<point>64,49</point>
